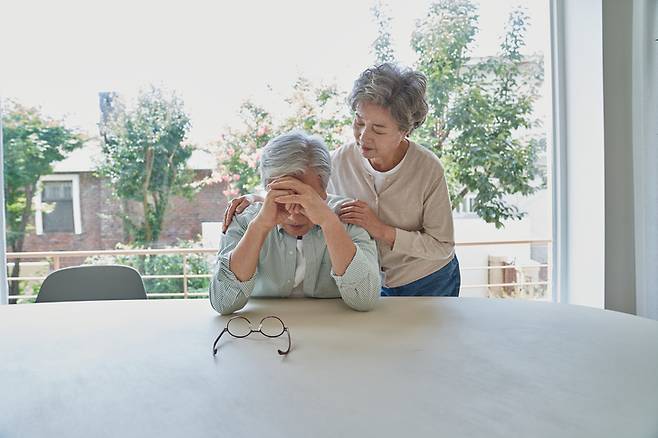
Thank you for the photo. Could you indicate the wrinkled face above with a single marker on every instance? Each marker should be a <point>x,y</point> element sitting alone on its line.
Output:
<point>376,131</point>
<point>293,221</point>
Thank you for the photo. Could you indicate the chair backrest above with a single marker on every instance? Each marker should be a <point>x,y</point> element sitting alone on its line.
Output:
<point>91,283</point>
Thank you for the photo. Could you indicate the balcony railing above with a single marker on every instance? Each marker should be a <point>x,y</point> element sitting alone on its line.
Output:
<point>54,260</point>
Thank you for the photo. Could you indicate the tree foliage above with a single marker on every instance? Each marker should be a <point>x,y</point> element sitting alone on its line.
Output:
<point>382,46</point>
<point>145,158</point>
<point>480,122</point>
<point>238,150</point>
<point>317,110</point>
<point>32,142</point>
<point>480,108</point>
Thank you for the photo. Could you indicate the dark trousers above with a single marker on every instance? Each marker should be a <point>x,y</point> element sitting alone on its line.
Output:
<point>443,283</point>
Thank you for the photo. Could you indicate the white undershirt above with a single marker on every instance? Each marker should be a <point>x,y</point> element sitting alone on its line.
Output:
<point>300,270</point>
<point>380,177</point>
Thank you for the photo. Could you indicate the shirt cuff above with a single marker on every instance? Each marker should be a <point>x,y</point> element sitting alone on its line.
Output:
<point>228,293</point>
<point>355,271</point>
<point>360,285</point>
<point>403,241</point>
<point>225,269</point>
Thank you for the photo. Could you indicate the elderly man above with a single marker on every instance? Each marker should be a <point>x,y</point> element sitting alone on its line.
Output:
<point>294,244</point>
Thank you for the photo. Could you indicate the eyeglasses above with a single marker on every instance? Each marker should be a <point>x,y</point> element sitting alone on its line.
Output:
<point>240,327</point>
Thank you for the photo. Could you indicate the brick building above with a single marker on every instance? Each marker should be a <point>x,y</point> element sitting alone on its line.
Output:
<point>75,208</point>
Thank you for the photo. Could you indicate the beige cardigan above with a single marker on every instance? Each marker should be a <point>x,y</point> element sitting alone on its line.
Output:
<point>414,200</point>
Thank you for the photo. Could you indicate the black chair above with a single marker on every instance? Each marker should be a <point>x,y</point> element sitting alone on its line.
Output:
<point>91,283</point>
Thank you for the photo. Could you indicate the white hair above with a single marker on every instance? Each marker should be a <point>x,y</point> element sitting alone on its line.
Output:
<point>292,153</point>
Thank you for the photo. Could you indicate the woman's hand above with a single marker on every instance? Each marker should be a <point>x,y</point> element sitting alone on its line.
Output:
<point>237,206</point>
<point>359,213</point>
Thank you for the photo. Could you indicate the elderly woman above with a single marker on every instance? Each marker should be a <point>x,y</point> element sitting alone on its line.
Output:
<point>294,244</point>
<point>399,190</point>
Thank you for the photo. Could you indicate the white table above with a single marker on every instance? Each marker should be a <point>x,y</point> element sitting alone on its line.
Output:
<point>412,367</point>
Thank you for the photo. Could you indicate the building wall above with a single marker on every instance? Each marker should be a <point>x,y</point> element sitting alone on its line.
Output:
<point>91,212</point>
<point>184,217</point>
<point>102,227</point>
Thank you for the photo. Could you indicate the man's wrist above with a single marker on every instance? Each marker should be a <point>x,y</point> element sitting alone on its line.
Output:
<point>259,226</point>
<point>330,221</point>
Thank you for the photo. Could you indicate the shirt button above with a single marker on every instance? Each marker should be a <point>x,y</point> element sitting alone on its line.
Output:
<point>289,252</point>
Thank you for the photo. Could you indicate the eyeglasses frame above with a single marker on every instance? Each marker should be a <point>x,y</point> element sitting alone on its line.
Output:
<point>251,330</point>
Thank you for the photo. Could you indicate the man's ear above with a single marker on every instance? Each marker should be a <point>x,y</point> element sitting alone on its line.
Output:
<point>323,194</point>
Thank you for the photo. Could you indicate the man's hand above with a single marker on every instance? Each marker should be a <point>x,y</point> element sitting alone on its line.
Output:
<point>271,215</point>
<point>244,258</point>
<point>303,199</point>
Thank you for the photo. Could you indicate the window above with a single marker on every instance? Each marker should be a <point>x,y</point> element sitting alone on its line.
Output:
<point>465,208</point>
<point>58,205</point>
<point>279,81</point>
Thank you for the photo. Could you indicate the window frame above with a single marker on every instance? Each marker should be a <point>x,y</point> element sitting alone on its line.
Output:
<point>75,195</point>
<point>4,285</point>
<point>578,143</point>
<point>560,273</point>
<point>644,92</point>
<point>465,213</point>
<point>562,269</point>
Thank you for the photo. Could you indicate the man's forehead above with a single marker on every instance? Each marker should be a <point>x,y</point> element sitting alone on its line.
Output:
<point>276,178</point>
<point>297,176</point>
<point>308,175</point>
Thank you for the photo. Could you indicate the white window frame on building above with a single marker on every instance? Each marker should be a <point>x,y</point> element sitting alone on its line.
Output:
<point>465,208</point>
<point>75,195</point>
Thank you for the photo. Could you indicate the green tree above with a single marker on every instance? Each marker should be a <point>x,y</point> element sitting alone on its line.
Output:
<point>145,158</point>
<point>32,143</point>
<point>318,110</point>
<point>238,150</point>
<point>478,107</point>
<point>382,47</point>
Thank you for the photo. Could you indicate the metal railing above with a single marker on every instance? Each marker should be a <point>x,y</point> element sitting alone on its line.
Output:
<point>54,259</point>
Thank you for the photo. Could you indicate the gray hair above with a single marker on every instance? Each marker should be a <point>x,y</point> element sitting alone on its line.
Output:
<point>401,90</point>
<point>292,153</point>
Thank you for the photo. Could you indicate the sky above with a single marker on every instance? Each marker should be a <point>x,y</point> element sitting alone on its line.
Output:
<point>59,55</point>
